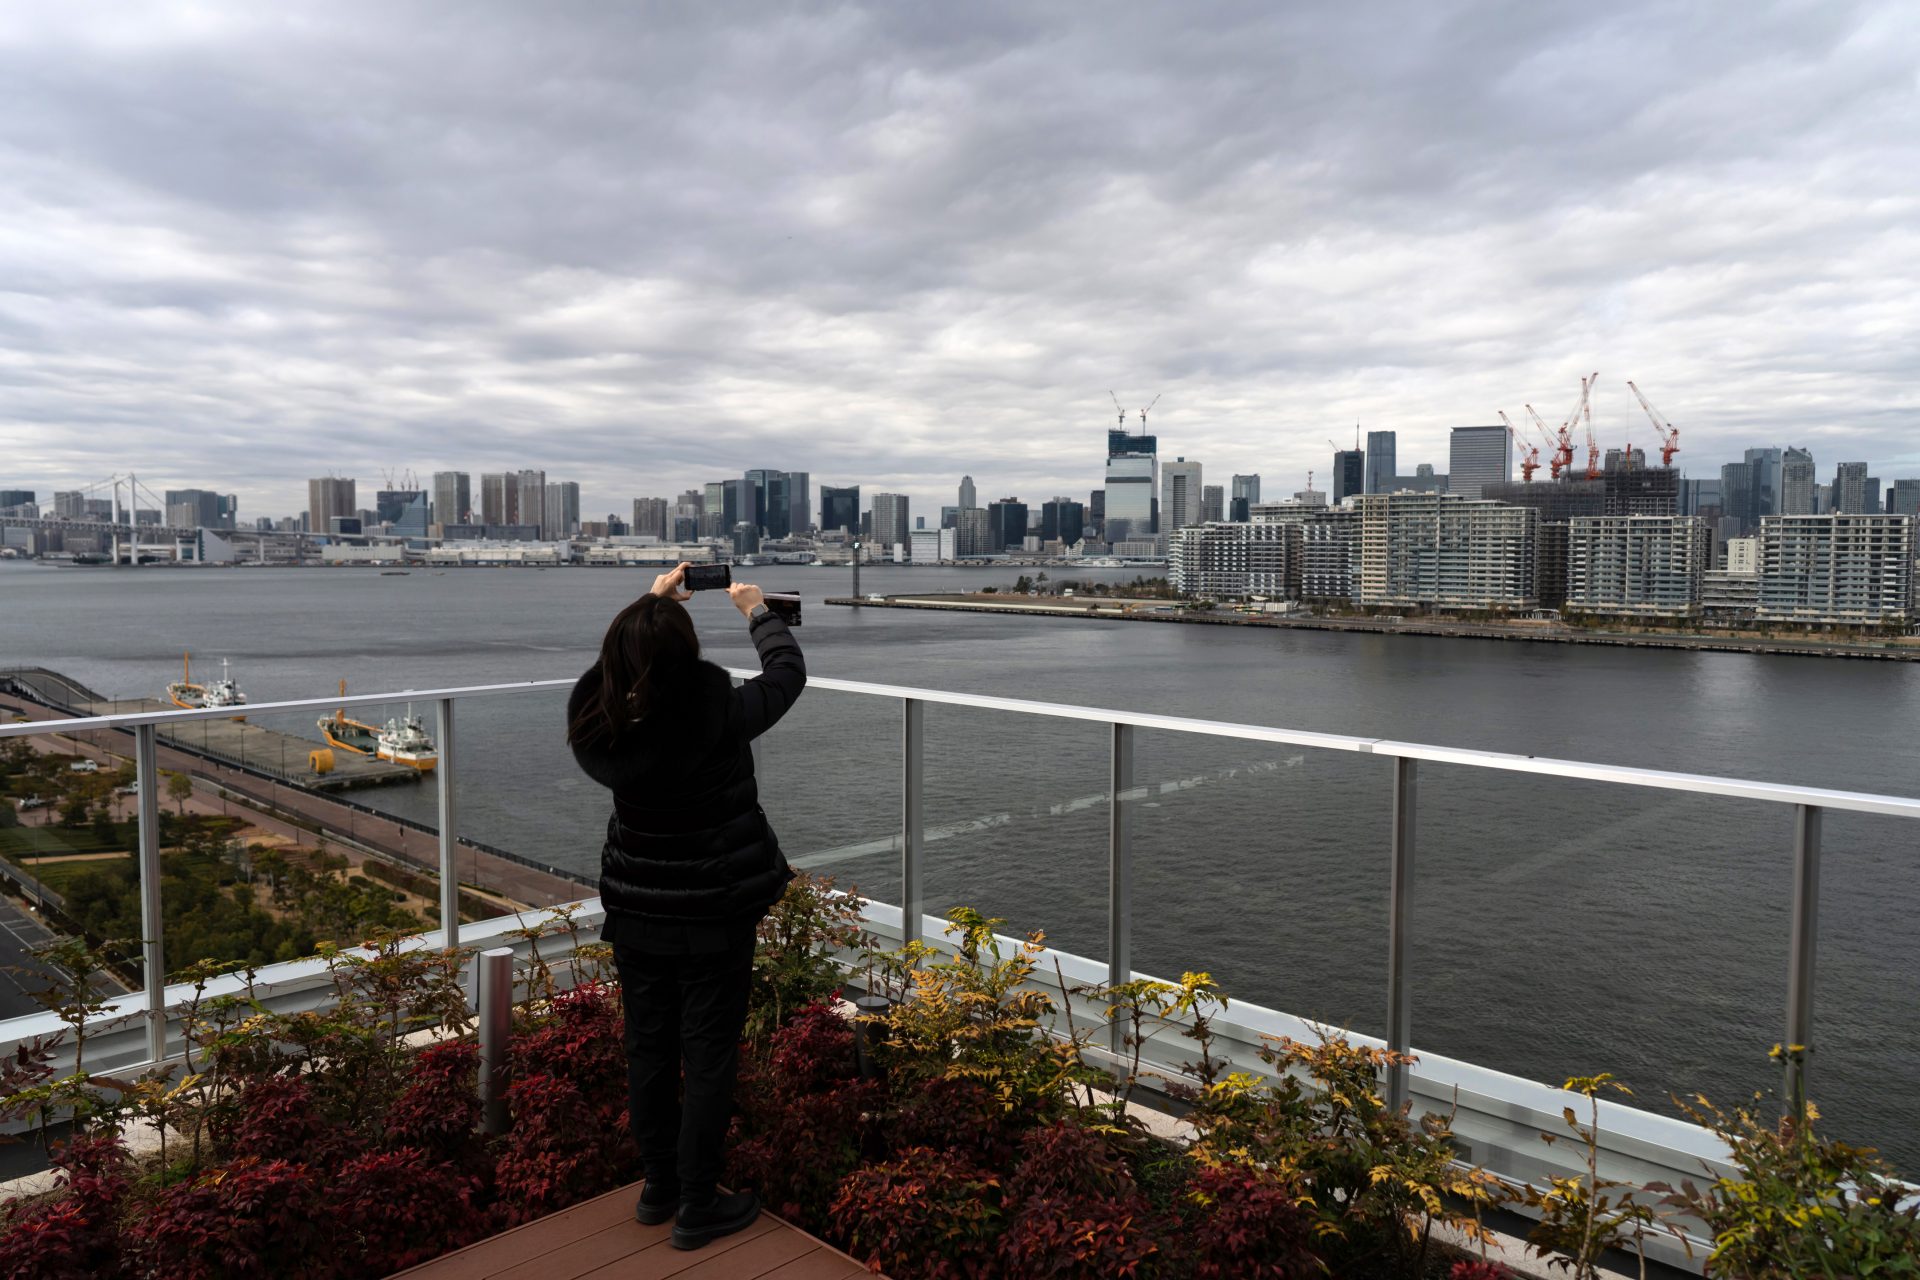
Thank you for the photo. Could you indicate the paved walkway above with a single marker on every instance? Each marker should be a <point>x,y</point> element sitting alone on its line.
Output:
<point>600,1239</point>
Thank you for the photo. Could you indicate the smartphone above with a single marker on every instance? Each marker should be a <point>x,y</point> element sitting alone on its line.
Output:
<point>784,604</point>
<point>708,577</point>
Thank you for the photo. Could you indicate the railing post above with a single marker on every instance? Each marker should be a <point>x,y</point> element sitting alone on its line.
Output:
<point>449,828</point>
<point>1800,956</point>
<point>1399,928</point>
<point>146,765</point>
<point>493,998</point>
<point>1119,869</point>
<point>912,814</point>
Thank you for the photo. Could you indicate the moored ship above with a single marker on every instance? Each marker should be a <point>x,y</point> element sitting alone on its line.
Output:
<point>215,693</point>
<point>402,740</point>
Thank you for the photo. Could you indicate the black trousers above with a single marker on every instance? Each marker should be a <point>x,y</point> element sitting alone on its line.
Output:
<point>684,1015</point>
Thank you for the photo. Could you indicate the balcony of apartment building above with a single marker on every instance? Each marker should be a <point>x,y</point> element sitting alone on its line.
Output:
<point>481,1016</point>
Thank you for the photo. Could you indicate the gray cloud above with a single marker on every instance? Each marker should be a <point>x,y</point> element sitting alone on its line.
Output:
<point>644,247</point>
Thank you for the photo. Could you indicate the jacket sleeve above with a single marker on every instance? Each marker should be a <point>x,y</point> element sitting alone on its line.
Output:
<point>783,674</point>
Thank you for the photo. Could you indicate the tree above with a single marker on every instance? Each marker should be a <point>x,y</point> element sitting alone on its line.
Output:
<point>179,788</point>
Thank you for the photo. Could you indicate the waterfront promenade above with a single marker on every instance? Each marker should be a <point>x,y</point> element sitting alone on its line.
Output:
<point>1117,609</point>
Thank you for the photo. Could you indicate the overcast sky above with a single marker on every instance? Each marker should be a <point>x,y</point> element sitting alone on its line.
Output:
<point>647,246</point>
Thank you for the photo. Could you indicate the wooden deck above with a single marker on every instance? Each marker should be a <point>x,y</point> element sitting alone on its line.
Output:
<point>599,1239</point>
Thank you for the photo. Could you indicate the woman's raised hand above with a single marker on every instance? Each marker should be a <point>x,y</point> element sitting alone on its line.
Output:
<point>668,583</point>
<point>746,597</point>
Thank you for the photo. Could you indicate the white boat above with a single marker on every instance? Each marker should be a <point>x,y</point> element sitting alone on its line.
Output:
<point>215,693</point>
<point>403,740</point>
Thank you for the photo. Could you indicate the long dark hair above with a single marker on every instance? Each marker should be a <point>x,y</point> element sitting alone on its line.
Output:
<point>650,644</point>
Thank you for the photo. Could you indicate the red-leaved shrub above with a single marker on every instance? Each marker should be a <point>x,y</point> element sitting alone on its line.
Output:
<point>252,1219</point>
<point>958,1115</point>
<point>1243,1223</point>
<point>392,1209</point>
<point>1479,1270</point>
<point>928,1214</point>
<point>72,1234</point>
<point>1064,1160</point>
<point>439,1110</point>
<point>1079,1238</point>
<point>276,1118</point>
<point>581,1043</point>
<point>804,1117</point>
<point>558,1151</point>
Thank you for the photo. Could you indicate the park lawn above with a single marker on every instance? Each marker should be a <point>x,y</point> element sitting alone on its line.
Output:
<point>16,842</point>
<point>58,875</point>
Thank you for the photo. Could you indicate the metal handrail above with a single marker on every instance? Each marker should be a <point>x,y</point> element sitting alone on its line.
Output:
<point>1809,803</point>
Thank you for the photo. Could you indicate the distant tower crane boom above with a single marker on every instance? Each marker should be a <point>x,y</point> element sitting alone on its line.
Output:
<point>1143,412</point>
<point>1123,412</point>
<point>1529,453</point>
<point>1555,463</point>
<point>1668,433</point>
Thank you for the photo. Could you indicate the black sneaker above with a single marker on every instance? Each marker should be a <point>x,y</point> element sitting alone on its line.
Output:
<point>698,1224</point>
<point>657,1203</point>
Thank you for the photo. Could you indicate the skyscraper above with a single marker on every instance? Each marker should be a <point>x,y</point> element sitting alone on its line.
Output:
<point>967,495</point>
<point>1766,464</point>
<point>562,502</point>
<point>1853,492</point>
<point>1006,525</point>
<point>1064,519</point>
<point>1349,473</point>
<point>327,497</point>
<point>1737,494</point>
<point>1247,487</point>
<point>799,502</point>
<point>1382,463</point>
<point>840,508</point>
<point>890,522</point>
<point>531,487</point>
<point>1213,503</point>
<point>1478,456</point>
<point>650,518</point>
<point>1179,494</point>
<point>1796,483</point>
<point>452,497</point>
<point>499,499</point>
<point>1132,474</point>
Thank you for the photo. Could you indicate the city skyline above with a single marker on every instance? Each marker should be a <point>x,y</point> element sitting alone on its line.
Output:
<point>934,245</point>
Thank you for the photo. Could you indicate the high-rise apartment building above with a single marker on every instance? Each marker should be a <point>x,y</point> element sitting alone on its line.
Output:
<point>1220,561</point>
<point>840,508</point>
<point>327,497</point>
<point>1330,555</point>
<point>1179,494</point>
<point>891,524</point>
<point>1382,465</point>
<point>562,505</point>
<point>1132,473</point>
<point>1797,483</point>
<point>1478,456</point>
<point>72,504</point>
<point>973,534</point>
<point>967,496</point>
<point>650,519</point>
<point>499,499</point>
<point>452,497</point>
<point>531,493</point>
<point>1213,503</point>
<point>1634,490</point>
<point>1637,565</point>
<point>209,510</point>
<point>1855,492</point>
<point>1433,550</point>
<point>1844,569</point>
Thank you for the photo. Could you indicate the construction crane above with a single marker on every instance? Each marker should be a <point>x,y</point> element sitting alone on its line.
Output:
<point>1668,433</point>
<point>1586,412</point>
<point>1143,412</point>
<point>1123,412</point>
<point>1555,463</point>
<point>1529,453</point>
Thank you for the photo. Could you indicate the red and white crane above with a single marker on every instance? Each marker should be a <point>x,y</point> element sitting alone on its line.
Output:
<point>1668,433</point>
<point>1555,462</point>
<point>1529,453</point>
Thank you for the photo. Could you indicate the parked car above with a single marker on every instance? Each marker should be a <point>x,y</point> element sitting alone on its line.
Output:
<point>34,802</point>
<point>84,766</point>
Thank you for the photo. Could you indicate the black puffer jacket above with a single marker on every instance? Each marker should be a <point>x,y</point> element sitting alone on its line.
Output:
<point>687,840</point>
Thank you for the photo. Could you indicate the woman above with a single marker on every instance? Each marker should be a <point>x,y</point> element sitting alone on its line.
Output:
<point>689,869</point>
